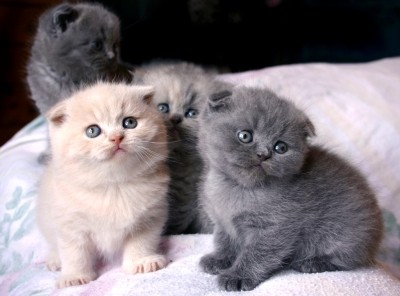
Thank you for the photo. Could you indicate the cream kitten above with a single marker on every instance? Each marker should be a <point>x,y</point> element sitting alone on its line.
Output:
<point>104,189</point>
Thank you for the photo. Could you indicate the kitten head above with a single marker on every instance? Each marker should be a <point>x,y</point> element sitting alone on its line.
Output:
<point>181,89</point>
<point>252,135</point>
<point>79,40</point>
<point>108,128</point>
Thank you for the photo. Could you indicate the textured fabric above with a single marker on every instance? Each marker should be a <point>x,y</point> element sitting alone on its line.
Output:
<point>355,109</point>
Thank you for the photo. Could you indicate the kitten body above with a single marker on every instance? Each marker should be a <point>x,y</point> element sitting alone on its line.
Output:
<point>181,89</point>
<point>74,44</point>
<point>102,194</point>
<point>276,201</point>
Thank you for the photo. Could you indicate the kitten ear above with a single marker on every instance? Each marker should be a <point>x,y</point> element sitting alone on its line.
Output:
<point>219,101</point>
<point>56,115</point>
<point>309,128</point>
<point>63,15</point>
<point>146,93</point>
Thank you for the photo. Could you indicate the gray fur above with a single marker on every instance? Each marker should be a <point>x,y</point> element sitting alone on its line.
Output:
<point>64,54</point>
<point>306,209</point>
<point>183,86</point>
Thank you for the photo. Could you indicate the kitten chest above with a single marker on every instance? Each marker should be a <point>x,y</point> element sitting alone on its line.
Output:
<point>109,216</point>
<point>221,203</point>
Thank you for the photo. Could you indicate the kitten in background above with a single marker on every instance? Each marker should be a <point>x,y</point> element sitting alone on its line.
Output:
<point>74,44</point>
<point>277,201</point>
<point>181,89</point>
<point>104,190</point>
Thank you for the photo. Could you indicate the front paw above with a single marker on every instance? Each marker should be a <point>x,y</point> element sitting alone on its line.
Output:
<point>146,264</point>
<point>53,263</point>
<point>75,279</point>
<point>231,282</point>
<point>213,265</point>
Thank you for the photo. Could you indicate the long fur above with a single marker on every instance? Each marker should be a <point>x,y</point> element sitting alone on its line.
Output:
<point>96,201</point>
<point>305,209</point>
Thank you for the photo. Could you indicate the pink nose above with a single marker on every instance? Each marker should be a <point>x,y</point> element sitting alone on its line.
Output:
<point>117,139</point>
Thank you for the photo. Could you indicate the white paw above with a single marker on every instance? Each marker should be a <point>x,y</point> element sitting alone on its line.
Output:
<point>53,263</point>
<point>74,280</point>
<point>146,264</point>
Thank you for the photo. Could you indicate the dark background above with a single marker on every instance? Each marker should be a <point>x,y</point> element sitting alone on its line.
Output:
<point>232,35</point>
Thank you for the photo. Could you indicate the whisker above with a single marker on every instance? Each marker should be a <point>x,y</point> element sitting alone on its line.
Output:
<point>143,159</point>
<point>151,153</point>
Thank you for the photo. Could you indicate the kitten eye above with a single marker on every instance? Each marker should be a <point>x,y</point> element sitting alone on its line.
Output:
<point>129,122</point>
<point>190,113</point>
<point>281,147</point>
<point>245,136</point>
<point>97,45</point>
<point>163,107</point>
<point>93,131</point>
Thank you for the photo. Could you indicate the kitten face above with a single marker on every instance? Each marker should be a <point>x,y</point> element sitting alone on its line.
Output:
<point>181,90</point>
<point>108,126</point>
<point>251,137</point>
<point>84,40</point>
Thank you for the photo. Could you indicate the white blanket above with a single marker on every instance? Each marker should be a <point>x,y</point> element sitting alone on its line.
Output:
<point>356,110</point>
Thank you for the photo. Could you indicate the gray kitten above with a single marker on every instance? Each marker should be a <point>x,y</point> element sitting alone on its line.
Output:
<point>74,44</point>
<point>276,201</point>
<point>181,91</point>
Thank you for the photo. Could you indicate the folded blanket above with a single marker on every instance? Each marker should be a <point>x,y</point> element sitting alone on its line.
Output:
<point>355,108</point>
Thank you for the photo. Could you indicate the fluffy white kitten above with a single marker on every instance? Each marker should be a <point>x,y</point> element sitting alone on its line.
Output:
<point>104,189</point>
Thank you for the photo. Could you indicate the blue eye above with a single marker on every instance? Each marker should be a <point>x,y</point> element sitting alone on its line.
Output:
<point>190,113</point>
<point>93,131</point>
<point>245,136</point>
<point>129,122</point>
<point>281,147</point>
<point>163,107</point>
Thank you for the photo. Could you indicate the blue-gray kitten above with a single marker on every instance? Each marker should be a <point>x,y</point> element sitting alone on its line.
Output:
<point>181,89</point>
<point>277,201</point>
<point>74,44</point>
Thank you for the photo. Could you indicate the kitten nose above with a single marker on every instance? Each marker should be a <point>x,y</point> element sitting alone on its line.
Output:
<point>110,55</point>
<point>176,119</point>
<point>116,138</point>
<point>263,157</point>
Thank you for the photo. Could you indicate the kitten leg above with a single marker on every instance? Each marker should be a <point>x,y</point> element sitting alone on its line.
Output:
<point>262,255</point>
<point>223,255</point>
<point>77,256</point>
<point>141,252</point>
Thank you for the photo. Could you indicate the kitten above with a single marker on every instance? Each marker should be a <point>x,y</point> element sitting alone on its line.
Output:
<point>276,200</point>
<point>104,189</point>
<point>181,90</point>
<point>74,44</point>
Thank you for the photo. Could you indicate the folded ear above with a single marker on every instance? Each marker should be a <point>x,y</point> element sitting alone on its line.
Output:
<point>219,101</point>
<point>57,114</point>
<point>63,15</point>
<point>146,92</point>
<point>309,129</point>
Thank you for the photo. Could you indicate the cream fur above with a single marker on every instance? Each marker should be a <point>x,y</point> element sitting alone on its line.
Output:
<point>94,201</point>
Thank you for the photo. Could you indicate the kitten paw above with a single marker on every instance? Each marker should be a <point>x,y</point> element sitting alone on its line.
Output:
<point>74,280</point>
<point>314,265</point>
<point>53,263</point>
<point>213,265</point>
<point>147,264</point>
<point>230,282</point>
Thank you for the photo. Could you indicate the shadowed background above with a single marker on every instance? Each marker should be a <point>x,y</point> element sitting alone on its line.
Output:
<point>232,35</point>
